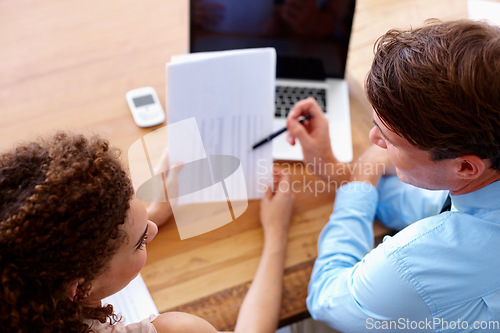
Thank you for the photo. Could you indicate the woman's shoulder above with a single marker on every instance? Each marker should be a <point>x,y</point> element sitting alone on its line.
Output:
<point>177,322</point>
<point>169,322</point>
<point>143,326</point>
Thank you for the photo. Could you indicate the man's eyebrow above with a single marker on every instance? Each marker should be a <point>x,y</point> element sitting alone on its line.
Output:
<point>380,130</point>
<point>139,242</point>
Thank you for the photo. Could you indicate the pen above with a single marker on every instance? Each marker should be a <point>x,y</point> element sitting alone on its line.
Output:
<point>275,134</point>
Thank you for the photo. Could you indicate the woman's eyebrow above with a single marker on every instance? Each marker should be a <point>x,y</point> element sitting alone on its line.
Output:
<point>139,242</point>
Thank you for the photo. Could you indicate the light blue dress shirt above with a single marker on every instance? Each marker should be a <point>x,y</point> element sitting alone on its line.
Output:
<point>439,274</point>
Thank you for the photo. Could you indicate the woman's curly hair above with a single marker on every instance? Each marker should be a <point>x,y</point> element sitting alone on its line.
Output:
<point>62,200</point>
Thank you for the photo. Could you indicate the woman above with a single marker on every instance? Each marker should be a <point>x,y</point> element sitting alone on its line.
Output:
<point>72,232</point>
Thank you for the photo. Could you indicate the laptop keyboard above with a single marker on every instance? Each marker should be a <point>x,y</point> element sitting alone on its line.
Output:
<point>286,97</point>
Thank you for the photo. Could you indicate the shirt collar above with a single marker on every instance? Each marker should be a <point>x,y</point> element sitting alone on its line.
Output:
<point>486,198</point>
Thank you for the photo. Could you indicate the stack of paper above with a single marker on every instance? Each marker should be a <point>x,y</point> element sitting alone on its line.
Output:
<point>219,104</point>
<point>230,95</point>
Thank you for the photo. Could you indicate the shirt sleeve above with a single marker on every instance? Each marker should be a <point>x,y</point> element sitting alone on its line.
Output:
<point>401,204</point>
<point>352,289</point>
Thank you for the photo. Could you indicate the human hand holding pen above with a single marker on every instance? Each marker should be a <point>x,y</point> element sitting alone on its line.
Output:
<point>314,137</point>
<point>279,132</point>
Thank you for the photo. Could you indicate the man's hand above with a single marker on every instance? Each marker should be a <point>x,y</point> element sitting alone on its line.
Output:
<point>372,165</point>
<point>314,137</point>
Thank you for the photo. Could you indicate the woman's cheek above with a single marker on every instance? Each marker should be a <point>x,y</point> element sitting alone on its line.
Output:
<point>139,262</point>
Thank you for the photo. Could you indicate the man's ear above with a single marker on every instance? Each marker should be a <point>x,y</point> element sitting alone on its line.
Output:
<point>469,166</point>
<point>73,291</point>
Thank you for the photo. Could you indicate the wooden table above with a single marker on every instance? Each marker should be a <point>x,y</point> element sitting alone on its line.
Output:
<point>68,64</point>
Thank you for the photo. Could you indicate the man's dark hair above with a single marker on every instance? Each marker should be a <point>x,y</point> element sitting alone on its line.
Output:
<point>439,88</point>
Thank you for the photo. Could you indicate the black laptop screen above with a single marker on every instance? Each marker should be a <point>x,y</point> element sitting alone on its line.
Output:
<point>311,37</point>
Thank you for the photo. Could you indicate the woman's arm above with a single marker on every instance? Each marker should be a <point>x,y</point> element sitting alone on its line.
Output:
<point>180,322</point>
<point>261,306</point>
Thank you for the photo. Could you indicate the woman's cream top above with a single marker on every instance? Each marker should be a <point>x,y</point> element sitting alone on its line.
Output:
<point>144,326</point>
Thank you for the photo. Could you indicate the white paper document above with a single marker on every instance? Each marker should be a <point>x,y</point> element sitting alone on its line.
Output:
<point>133,303</point>
<point>230,96</point>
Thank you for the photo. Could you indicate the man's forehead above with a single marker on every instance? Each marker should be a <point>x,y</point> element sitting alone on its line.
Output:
<point>391,136</point>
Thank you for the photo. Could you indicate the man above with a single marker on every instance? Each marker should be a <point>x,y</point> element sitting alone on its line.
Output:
<point>436,98</point>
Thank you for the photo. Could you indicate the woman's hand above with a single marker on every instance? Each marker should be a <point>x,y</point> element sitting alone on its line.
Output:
<point>261,307</point>
<point>276,209</point>
<point>161,212</point>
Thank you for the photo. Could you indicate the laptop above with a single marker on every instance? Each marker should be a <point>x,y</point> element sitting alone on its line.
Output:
<point>311,58</point>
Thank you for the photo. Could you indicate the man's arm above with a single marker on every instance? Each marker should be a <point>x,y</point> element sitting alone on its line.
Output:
<point>350,286</point>
<point>401,204</point>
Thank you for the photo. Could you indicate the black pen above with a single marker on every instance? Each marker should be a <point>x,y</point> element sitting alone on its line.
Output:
<point>275,134</point>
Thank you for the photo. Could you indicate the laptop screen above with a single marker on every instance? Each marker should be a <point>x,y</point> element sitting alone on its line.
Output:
<point>311,37</point>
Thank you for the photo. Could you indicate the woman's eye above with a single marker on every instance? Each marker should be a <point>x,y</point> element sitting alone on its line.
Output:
<point>143,242</point>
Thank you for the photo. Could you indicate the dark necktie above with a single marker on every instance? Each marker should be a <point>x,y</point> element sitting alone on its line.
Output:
<point>446,205</point>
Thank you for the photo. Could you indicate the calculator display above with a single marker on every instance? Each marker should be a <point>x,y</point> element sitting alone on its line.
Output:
<point>143,100</point>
